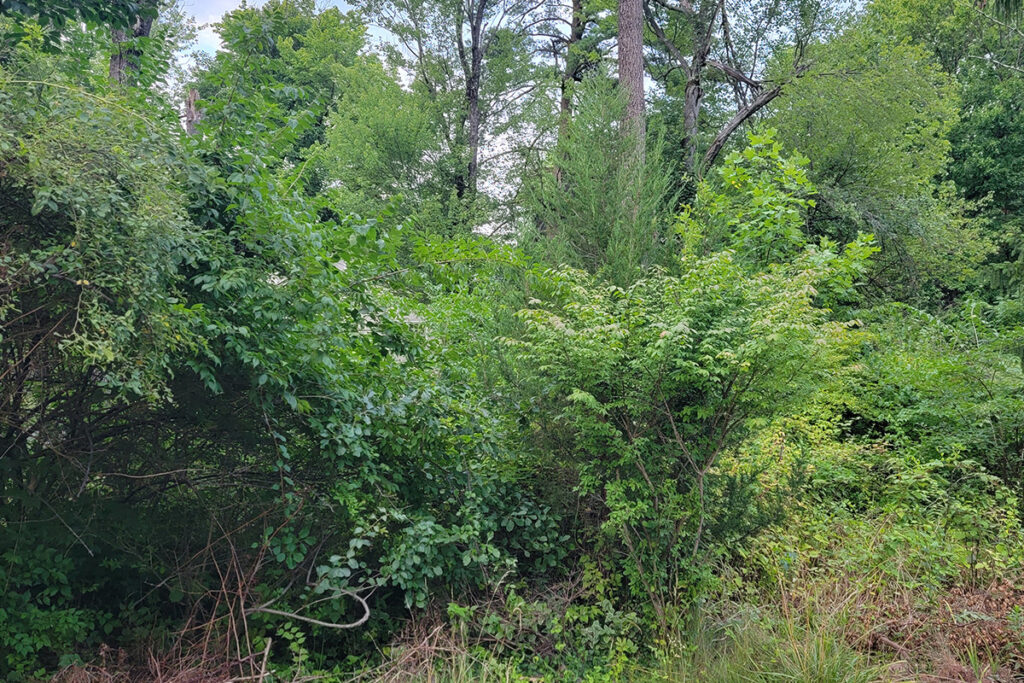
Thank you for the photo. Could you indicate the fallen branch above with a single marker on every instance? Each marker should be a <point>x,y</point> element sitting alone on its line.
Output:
<point>326,624</point>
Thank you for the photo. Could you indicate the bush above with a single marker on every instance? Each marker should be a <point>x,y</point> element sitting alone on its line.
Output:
<point>653,383</point>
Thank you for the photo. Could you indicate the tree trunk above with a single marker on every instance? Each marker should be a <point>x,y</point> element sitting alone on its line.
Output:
<point>192,113</point>
<point>124,64</point>
<point>476,61</point>
<point>631,68</point>
<point>473,133</point>
<point>693,97</point>
<point>570,75</point>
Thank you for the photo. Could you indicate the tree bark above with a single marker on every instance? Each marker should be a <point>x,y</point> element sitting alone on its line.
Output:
<point>192,113</point>
<point>124,64</point>
<point>476,58</point>
<point>755,105</point>
<point>693,97</point>
<point>472,61</point>
<point>631,68</point>
<point>570,74</point>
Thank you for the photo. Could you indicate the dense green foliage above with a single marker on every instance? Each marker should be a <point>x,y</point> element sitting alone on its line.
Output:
<point>412,359</point>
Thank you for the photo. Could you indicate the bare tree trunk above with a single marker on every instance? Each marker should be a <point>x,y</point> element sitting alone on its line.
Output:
<point>631,68</point>
<point>751,95</point>
<point>631,78</point>
<point>472,69</point>
<point>476,57</point>
<point>693,97</point>
<point>694,94</point>
<point>192,113</point>
<point>124,64</point>
<point>473,133</point>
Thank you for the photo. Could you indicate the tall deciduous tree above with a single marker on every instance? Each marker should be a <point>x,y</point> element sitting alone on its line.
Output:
<point>478,63</point>
<point>874,117</point>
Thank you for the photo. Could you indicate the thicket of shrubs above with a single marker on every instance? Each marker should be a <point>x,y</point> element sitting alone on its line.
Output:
<point>245,432</point>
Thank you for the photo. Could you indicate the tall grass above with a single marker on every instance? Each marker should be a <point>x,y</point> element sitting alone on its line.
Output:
<point>808,645</point>
<point>752,645</point>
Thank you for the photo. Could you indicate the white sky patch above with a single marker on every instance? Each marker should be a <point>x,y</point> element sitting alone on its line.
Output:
<point>207,13</point>
<point>207,39</point>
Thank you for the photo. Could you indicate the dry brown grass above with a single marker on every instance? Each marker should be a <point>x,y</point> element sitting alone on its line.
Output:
<point>961,633</point>
<point>115,666</point>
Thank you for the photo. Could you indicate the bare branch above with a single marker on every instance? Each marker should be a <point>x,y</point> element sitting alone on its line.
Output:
<point>684,6</point>
<point>736,121</point>
<point>669,45</point>
<point>996,21</point>
<point>734,73</point>
<point>995,62</point>
<point>326,624</point>
<point>742,115</point>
